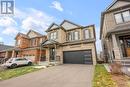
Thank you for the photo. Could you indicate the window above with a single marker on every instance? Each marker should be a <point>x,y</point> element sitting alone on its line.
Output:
<point>118,18</point>
<point>53,35</point>
<point>86,34</point>
<point>18,42</point>
<point>41,40</point>
<point>33,42</point>
<point>126,16</point>
<point>76,36</point>
<point>128,43</point>
<point>21,59</point>
<point>122,17</point>
<point>73,35</point>
<point>69,38</point>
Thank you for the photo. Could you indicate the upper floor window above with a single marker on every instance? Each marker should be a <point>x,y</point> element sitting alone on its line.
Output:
<point>122,17</point>
<point>76,35</point>
<point>53,35</point>
<point>88,33</point>
<point>73,35</point>
<point>18,42</point>
<point>41,40</point>
<point>33,42</point>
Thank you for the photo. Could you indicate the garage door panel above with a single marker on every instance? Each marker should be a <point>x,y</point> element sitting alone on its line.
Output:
<point>78,57</point>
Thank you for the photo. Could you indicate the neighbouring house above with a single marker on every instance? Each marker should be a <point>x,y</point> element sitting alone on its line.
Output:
<point>28,46</point>
<point>4,47</point>
<point>115,31</point>
<point>71,43</point>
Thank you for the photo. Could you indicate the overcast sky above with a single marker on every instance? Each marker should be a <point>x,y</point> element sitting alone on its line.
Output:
<point>39,14</point>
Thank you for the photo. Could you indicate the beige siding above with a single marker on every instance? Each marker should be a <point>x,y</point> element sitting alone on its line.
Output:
<point>68,26</point>
<point>110,22</point>
<point>32,34</point>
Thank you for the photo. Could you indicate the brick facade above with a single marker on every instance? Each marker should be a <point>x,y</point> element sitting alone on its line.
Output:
<point>28,46</point>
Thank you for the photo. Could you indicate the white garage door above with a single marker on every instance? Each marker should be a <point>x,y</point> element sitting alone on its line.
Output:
<point>32,58</point>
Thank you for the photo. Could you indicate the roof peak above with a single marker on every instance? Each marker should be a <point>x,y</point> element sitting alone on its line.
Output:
<point>114,2</point>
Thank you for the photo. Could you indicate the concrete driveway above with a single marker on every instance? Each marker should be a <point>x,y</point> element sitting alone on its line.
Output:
<point>68,75</point>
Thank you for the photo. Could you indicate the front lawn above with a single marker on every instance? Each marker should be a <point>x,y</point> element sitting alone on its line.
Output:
<point>9,73</point>
<point>102,78</point>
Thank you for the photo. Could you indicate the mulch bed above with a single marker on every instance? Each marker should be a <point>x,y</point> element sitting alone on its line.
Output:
<point>120,80</point>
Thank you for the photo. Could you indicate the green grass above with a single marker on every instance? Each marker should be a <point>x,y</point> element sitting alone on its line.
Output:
<point>102,78</point>
<point>10,73</point>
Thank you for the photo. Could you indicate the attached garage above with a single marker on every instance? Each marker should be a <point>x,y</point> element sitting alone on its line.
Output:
<point>78,57</point>
<point>32,58</point>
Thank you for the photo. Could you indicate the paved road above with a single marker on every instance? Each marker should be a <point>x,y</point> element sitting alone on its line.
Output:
<point>67,75</point>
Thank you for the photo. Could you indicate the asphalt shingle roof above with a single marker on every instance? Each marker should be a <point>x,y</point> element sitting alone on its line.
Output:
<point>4,47</point>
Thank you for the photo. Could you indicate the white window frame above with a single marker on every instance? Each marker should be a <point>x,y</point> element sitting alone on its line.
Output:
<point>126,16</point>
<point>76,35</point>
<point>122,17</point>
<point>118,18</point>
<point>73,36</point>
<point>53,35</point>
<point>34,42</point>
<point>87,34</point>
<point>18,42</point>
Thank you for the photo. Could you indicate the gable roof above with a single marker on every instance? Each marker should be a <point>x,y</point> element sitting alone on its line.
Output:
<point>5,47</point>
<point>117,3</point>
<point>49,42</point>
<point>38,34</point>
<point>67,25</point>
<point>23,35</point>
<point>52,26</point>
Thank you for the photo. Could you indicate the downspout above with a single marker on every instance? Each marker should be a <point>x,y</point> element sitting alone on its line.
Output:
<point>40,53</point>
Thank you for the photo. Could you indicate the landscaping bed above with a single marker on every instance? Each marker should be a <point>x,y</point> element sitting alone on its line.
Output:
<point>121,80</point>
<point>10,73</point>
<point>102,78</point>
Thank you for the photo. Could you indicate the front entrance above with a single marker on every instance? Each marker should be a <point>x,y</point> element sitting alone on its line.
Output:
<point>125,45</point>
<point>52,54</point>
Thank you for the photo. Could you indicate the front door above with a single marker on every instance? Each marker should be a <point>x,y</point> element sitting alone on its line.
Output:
<point>52,54</point>
<point>125,40</point>
<point>128,46</point>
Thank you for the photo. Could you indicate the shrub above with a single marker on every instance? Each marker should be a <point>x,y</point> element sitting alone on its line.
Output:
<point>116,68</point>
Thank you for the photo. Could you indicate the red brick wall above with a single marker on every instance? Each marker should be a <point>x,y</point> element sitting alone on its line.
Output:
<point>2,54</point>
<point>24,42</point>
<point>36,53</point>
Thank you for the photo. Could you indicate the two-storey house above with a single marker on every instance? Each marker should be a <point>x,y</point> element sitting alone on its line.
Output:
<point>70,43</point>
<point>28,46</point>
<point>115,31</point>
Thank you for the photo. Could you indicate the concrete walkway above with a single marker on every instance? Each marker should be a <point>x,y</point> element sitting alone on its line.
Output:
<point>67,75</point>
